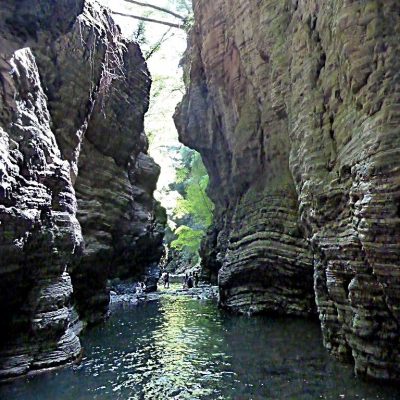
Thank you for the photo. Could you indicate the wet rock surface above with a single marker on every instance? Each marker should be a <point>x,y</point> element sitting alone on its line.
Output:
<point>294,108</point>
<point>76,183</point>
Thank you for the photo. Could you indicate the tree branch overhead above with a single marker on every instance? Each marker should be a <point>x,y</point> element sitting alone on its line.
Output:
<point>162,9</point>
<point>157,21</point>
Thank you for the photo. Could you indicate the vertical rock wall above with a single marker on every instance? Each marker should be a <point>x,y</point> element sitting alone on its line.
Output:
<point>76,183</point>
<point>40,237</point>
<point>294,108</point>
<point>257,242</point>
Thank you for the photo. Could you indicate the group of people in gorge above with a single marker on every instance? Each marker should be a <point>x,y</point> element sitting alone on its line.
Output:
<point>140,288</point>
<point>189,281</point>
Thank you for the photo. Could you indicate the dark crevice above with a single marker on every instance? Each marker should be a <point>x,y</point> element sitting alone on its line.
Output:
<point>321,64</point>
<point>262,148</point>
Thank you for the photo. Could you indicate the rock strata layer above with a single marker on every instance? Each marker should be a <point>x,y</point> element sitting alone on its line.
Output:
<point>294,108</point>
<point>76,183</point>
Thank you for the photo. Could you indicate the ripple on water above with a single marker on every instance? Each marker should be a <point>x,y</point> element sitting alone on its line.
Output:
<point>180,348</point>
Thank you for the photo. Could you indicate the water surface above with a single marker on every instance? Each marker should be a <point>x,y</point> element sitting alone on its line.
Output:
<point>180,348</point>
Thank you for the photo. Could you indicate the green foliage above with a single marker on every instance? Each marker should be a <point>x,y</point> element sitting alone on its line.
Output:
<point>195,206</point>
<point>188,239</point>
<point>182,174</point>
<point>161,214</point>
<point>196,202</point>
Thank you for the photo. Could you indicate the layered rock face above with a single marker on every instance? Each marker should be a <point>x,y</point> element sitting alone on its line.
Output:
<point>76,183</point>
<point>256,243</point>
<point>294,108</point>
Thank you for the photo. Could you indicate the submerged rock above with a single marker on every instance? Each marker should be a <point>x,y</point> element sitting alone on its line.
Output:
<point>294,108</point>
<point>76,183</point>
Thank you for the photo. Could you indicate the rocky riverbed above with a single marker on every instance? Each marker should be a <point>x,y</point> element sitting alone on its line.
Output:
<point>125,294</point>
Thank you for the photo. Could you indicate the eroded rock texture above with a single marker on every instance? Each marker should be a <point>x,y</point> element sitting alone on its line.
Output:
<point>294,106</point>
<point>76,183</point>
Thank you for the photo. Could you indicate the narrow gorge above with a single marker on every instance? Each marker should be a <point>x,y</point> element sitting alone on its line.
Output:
<point>294,109</point>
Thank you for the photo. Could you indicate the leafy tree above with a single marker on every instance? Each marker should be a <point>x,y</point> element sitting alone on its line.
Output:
<point>182,174</point>
<point>188,239</point>
<point>195,207</point>
<point>196,202</point>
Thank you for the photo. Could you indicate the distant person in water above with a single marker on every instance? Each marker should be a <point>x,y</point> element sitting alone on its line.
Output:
<point>139,290</point>
<point>190,281</point>
<point>196,279</point>
<point>184,282</point>
<point>166,280</point>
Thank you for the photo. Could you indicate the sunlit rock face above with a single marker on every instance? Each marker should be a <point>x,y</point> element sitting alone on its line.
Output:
<point>76,183</point>
<point>294,108</point>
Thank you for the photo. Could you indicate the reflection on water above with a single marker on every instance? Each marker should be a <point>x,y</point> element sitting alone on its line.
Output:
<point>174,354</point>
<point>179,348</point>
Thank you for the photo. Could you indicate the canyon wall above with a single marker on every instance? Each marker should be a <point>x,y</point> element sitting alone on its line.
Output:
<point>76,183</point>
<point>294,107</point>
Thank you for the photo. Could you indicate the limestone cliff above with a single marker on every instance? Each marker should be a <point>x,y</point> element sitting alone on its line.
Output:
<point>294,108</point>
<point>76,183</point>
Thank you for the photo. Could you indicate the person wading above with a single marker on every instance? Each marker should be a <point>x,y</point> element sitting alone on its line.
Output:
<point>166,280</point>
<point>184,283</point>
<point>190,281</point>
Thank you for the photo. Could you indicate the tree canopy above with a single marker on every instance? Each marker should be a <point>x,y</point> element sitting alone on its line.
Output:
<point>195,206</point>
